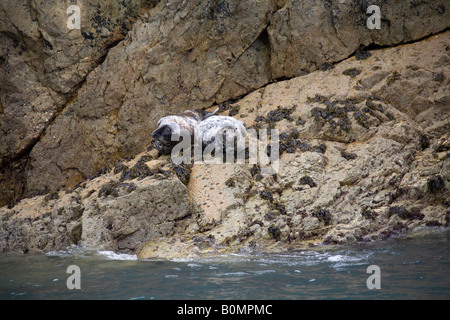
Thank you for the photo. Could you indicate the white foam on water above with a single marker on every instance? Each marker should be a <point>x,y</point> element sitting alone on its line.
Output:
<point>232,274</point>
<point>194,265</point>
<point>259,272</point>
<point>111,255</point>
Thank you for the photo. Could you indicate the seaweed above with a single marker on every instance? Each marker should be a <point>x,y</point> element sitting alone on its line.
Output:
<point>321,148</point>
<point>183,172</point>
<point>266,195</point>
<point>361,118</point>
<point>393,77</point>
<point>326,66</point>
<point>368,214</point>
<point>403,213</point>
<point>323,215</point>
<point>112,188</point>
<point>119,168</point>
<point>332,111</point>
<point>275,232</point>
<point>300,121</point>
<point>308,180</point>
<point>275,205</point>
<point>255,171</point>
<point>317,98</point>
<point>140,170</point>
<point>53,195</point>
<point>280,114</point>
<point>234,110</point>
<point>230,183</point>
<point>288,142</point>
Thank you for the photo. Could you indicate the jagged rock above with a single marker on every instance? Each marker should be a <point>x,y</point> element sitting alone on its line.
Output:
<point>305,35</point>
<point>179,56</point>
<point>95,94</point>
<point>43,223</point>
<point>374,178</point>
<point>124,222</point>
<point>364,141</point>
<point>103,213</point>
<point>42,65</point>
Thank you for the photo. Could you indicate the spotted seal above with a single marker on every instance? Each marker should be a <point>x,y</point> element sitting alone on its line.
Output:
<point>215,127</point>
<point>170,127</point>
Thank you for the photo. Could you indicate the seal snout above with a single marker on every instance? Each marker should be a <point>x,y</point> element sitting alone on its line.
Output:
<point>162,133</point>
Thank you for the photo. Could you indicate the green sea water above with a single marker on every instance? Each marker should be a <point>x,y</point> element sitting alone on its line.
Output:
<point>409,268</point>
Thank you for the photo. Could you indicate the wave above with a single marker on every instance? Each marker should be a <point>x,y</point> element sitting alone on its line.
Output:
<point>111,255</point>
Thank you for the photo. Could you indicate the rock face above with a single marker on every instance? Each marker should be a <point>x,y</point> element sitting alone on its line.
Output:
<point>306,34</point>
<point>364,140</point>
<point>75,101</point>
<point>43,64</point>
<point>357,164</point>
<point>118,211</point>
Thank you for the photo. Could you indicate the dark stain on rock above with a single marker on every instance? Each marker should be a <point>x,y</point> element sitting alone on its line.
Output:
<point>424,142</point>
<point>323,215</point>
<point>112,188</point>
<point>368,214</point>
<point>348,155</point>
<point>435,184</point>
<point>361,54</point>
<point>266,195</point>
<point>439,77</point>
<point>352,72</point>
<point>234,110</point>
<point>403,213</point>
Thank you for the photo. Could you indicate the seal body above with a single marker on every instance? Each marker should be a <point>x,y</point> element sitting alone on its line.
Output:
<point>170,128</point>
<point>215,128</point>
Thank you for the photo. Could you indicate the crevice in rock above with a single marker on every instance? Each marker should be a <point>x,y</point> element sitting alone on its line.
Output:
<point>370,47</point>
<point>374,46</point>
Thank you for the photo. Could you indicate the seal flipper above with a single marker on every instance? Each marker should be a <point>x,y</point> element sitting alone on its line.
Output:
<point>208,114</point>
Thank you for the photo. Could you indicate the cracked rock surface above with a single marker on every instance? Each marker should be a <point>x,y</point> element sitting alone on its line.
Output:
<point>363,117</point>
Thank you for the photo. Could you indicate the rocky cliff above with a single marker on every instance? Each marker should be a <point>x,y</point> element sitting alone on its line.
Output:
<point>363,115</point>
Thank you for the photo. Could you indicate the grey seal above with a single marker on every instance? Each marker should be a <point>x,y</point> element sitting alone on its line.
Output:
<point>169,128</point>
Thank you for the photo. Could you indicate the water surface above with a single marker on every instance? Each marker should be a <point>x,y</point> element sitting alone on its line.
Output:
<point>410,268</point>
